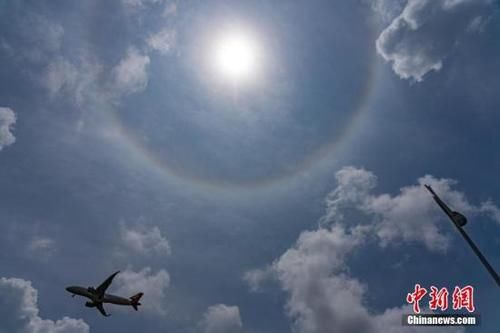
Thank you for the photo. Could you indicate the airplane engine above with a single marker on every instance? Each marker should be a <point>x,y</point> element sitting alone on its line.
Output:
<point>89,304</point>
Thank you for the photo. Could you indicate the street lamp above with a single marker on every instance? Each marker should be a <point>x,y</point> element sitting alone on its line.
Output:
<point>459,221</point>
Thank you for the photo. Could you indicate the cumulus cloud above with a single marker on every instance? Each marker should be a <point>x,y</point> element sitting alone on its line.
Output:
<point>410,216</point>
<point>20,314</point>
<point>144,240</point>
<point>7,121</point>
<point>413,216</point>
<point>419,39</point>
<point>322,295</point>
<point>153,285</point>
<point>163,41</point>
<point>353,187</point>
<point>221,318</point>
<point>130,75</point>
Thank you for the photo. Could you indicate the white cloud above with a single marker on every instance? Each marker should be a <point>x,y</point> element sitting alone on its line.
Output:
<point>60,74</point>
<point>491,209</point>
<point>324,250</point>
<point>130,75</point>
<point>322,296</point>
<point>153,286</point>
<point>162,41</point>
<point>422,36</point>
<point>134,6</point>
<point>29,36</point>
<point>410,216</point>
<point>387,10</point>
<point>73,79</point>
<point>481,22</point>
<point>36,38</point>
<point>170,9</point>
<point>42,247</point>
<point>255,277</point>
<point>140,3</point>
<point>221,318</point>
<point>353,186</point>
<point>385,323</point>
<point>20,314</point>
<point>7,121</point>
<point>45,33</point>
<point>144,240</point>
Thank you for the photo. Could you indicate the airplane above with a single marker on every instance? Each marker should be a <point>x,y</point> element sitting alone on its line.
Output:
<point>98,296</point>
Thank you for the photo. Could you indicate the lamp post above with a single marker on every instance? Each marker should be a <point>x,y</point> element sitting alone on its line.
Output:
<point>459,221</point>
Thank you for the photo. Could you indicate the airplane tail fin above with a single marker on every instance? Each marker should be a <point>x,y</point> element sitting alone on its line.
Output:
<point>135,300</point>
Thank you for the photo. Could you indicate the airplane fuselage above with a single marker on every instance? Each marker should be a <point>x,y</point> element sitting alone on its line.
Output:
<point>107,298</point>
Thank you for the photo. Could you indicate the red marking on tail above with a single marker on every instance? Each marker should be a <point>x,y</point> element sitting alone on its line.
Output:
<point>134,300</point>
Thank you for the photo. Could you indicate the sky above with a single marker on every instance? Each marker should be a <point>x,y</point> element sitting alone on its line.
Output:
<point>251,166</point>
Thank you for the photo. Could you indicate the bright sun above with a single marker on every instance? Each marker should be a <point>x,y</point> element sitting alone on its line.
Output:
<point>235,56</point>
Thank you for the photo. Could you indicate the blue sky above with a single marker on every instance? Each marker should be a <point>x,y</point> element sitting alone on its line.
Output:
<point>290,200</point>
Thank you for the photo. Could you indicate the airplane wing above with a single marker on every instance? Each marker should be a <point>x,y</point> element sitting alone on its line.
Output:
<point>102,288</point>
<point>101,310</point>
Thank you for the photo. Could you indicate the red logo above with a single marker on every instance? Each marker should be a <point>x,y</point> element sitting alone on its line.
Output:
<point>462,298</point>
<point>415,297</point>
<point>439,299</point>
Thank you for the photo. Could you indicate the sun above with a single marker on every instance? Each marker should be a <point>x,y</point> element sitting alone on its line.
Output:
<point>235,56</point>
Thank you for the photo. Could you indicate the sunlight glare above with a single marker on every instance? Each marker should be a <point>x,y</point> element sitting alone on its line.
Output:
<point>235,56</point>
